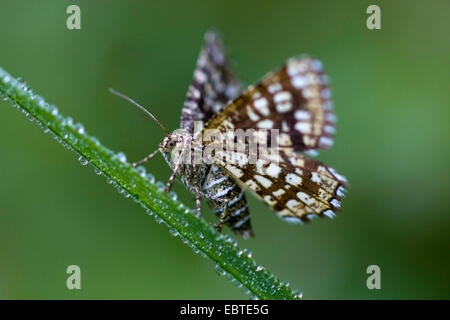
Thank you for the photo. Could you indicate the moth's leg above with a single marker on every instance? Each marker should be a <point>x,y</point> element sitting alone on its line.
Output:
<point>147,158</point>
<point>222,218</point>
<point>171,179</point>
<point>197,192</point>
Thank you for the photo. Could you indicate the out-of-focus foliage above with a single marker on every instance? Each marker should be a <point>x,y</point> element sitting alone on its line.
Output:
<point>390,89</point>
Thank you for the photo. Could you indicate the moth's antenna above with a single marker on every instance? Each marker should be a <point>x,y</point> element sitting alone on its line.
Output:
<point>140,107</point>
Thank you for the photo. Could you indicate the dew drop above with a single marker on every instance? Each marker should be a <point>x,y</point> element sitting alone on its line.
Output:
<point>158,219</point>
<point>69,121</point>
<point>53,109</point>
<point>95,141</point>
<point>150,177</point>
<point>122,157</point>
<point>160,185</point>
<point>6,79</point>
<point>173,232</point>
<point>80,128</point>
<point>83,161</point>
<point>141,170</point>
<point>220,270</point>
<point>298,294</point>
<point>173,195</point>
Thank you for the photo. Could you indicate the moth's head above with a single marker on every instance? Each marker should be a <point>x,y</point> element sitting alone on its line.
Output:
<point>174,146</point>
<point>174,141</point>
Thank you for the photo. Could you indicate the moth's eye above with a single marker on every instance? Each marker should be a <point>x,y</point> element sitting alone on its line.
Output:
<point>171,144</point>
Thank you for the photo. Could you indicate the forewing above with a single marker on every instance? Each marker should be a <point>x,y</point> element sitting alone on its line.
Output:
<point>294,100</point>
<point>296,187</point>
<point>213,84</point>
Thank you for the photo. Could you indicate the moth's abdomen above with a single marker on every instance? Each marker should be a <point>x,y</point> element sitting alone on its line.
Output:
<point>223,193</point>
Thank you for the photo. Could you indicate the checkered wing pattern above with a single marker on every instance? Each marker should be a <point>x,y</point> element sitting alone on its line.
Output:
<point>213,84</point>
<point>296,101</point>
<point>298,188</point>
<point>212,87</point>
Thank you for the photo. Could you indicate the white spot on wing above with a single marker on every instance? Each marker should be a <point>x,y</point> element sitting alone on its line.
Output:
<point>302,115</point>
<point>340,191</point>
<point>299,82</point>
<point>296,66</point>
<point>199,76</point>
<point>305,198</point>
<point>284,106</point>
<point>292,204</point>
<point>282,96</point>
<point>278,193</point>
<point>274,87</point>
<point>292,219</point>
<point>273,170</point>
<point>253,116</point>
<point>329,129</point>
<point>293,179</point>
<point>262,106</point>
<point>266,183</point>
<point>234,171</point>
<point>325,142</point>
<point>335,203</point>
<point>337,175</point>
<point>329,214</point>
<point>265,124</point>
<point>303,127</point>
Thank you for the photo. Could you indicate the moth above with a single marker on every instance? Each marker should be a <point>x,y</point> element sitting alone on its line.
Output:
<point>295,101</point>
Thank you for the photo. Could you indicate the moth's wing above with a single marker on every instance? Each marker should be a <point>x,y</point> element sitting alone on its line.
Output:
<point>295,100</point>
<point>213,84</point>
<point>297,187</point>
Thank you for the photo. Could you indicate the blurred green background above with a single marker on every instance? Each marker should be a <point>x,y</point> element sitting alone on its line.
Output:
<point>391,91</point>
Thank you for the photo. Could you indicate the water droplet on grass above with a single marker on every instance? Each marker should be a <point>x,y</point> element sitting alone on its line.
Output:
<point>53,109</point>
<point>80,128</point>
<point>160,185</point>
<point>173,195</point>
<point>122,157</point>
<point>69,121</point>
<point>141,170</point>
<point>150,177</point>
<point>83,161</point>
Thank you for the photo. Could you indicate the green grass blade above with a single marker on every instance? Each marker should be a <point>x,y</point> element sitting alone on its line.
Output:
<point>230,261</point>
